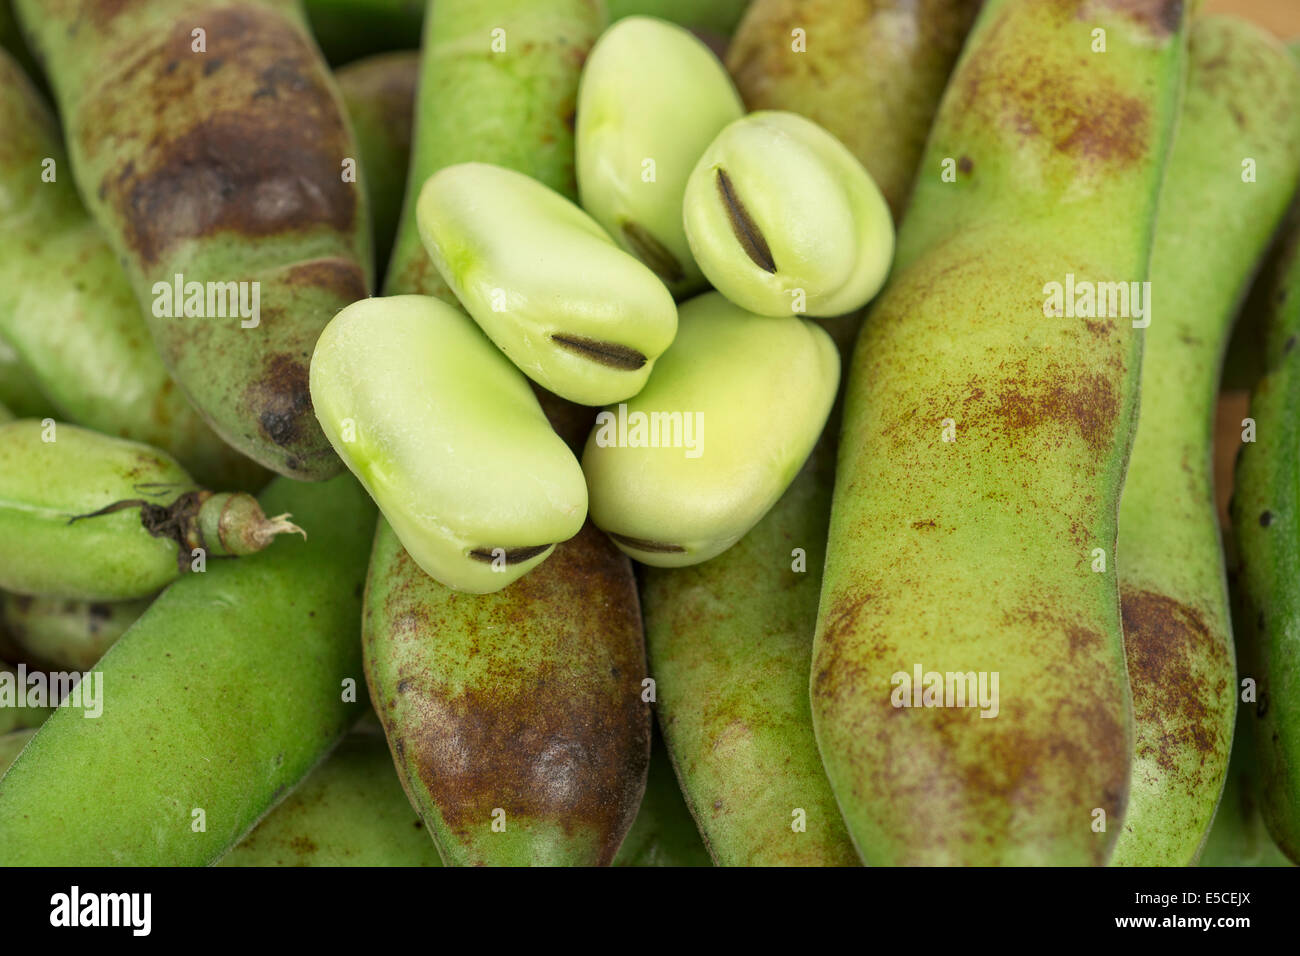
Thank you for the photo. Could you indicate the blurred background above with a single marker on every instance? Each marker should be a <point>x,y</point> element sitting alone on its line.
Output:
<point>1280,16</point>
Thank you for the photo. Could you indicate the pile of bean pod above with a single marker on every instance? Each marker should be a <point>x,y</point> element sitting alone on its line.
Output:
<point>512,432</point>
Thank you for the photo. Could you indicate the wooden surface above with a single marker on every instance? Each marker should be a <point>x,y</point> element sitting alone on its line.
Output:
<point>1280,16</point>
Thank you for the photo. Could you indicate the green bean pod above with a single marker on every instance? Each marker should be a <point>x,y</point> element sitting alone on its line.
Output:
<point>1213,229</point>
<point>68,310</point>
<point>86,516</point>
<point>730,657</point>
<point>499,85</point>
<point>516,719</point>
<point>349,811</point>
<point>211,146</point>
<point>869,71</point>
<point>1266,525</point>
<point>64,634</point>
<point>969,690</point>
<point>379,93</point>
<point>221,697</point>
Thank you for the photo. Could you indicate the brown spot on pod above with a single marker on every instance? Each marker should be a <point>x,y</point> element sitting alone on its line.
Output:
<point>252,148</point>
<point>284,398</point>
<point>1173,660</point>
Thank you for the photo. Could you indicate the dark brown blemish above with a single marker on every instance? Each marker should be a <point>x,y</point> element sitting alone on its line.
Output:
<point>1265,519</point>
<point>609,354</point>
<point>965,165</point>
<point>344,279</point>
<point>511,555</point>
<point>1176,705</point>
<point>544,738</point>
<point>234,162</point>
<point>284,396</point>
<point>650,547</point>
<point>653,253</point>
<point>748,234</point>
<point>1083,117</point>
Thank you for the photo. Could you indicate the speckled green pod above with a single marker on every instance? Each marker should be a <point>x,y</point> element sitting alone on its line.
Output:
<point>1242,99</point>
<point>1266,526</point>
<point>983,453</point>
<point>11,745</point>
<point>227,692</point>
<point>516,719</point>
<point>68,310</point>
<point>226,165</point>
<point>86,516</point>
<point>65,634</point>
<point>379,93</point>
<point>1239,836</point>
<point>730,644</point>
<point>869,71</point>
<point>18,709</point>
<point>652,99</point>
<point>663,833</point>
<point>682,471</point>
<point>498,84</point>
<point>579,316</point>
<point>448,439</point>
<point>350,811</point>
<point>784,220</point>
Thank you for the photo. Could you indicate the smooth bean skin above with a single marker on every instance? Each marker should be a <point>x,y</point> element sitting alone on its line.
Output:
<point>651,93</point>
<point>751,396</point>
<point>784,220</point>
<point>222,696</point>
<point>349,811</point>
<point>578,315</point>
<point>448,439</point>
